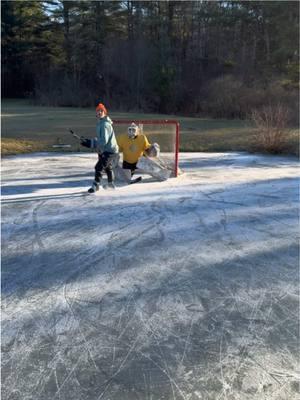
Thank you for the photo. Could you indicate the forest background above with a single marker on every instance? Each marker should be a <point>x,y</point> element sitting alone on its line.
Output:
<point>219,59</point>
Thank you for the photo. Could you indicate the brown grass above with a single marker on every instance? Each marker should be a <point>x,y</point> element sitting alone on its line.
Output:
<point>16,146</point>
<point>29,128</point>
<point>271,133</point>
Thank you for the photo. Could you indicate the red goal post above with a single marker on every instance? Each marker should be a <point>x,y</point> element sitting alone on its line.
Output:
<point>164,132</point>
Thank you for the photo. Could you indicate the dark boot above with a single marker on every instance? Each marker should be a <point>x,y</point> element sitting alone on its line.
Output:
<point>94,188</point>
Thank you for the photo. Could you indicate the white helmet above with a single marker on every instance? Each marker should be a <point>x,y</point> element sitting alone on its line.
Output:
<point>133,130</point>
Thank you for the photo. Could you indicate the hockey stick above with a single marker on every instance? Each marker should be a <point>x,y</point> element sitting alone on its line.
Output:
<point>76,136</point>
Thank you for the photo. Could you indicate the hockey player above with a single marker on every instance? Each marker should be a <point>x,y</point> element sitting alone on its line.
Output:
<point>107,148</point>
<point>133,145</point>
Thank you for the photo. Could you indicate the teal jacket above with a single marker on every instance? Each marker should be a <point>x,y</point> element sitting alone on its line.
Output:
<point>106,139</point>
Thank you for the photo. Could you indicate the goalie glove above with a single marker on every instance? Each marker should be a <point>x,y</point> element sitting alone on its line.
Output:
<point>153,151</point>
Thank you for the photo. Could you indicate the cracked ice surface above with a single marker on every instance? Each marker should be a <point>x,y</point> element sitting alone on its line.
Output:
<point>186,289</point>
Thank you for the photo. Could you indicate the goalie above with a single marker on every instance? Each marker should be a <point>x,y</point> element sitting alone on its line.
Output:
<point>134,145</point>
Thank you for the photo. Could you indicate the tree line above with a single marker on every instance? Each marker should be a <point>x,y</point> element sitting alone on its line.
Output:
<point>215,58</point>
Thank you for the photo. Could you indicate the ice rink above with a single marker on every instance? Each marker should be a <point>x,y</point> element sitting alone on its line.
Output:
<point>185,289</point>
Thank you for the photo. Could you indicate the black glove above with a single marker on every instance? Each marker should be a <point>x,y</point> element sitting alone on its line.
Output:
<point>86,143</point>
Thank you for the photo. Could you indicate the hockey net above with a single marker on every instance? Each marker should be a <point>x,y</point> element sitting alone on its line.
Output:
<point>163,132</point>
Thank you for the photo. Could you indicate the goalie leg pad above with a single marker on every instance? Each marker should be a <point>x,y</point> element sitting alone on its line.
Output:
<point>149,166</point>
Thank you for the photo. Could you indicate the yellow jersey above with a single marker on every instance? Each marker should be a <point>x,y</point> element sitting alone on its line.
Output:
<point>134,148</point>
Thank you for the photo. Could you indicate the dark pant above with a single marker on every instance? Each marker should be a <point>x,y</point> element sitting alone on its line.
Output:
<point>127,165</point>
<point>106,162</point>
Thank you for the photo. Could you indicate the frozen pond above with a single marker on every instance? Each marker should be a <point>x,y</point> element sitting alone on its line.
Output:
<point>186,289</point>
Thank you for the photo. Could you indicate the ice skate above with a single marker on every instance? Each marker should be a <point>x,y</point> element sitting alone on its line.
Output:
<point>94,188</point>
<point>136,180</point>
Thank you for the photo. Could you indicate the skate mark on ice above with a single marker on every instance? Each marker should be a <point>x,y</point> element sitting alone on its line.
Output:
<point>29,199</point>
<point>226,386</point>
<point>164,368</point>
<point>187,341</point>
<point>67,378</point>
<point>109,381</point>
<point>86,344</point>
<point>36,227</point>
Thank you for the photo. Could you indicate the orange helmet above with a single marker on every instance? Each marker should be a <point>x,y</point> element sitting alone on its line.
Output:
<point>101,107</point>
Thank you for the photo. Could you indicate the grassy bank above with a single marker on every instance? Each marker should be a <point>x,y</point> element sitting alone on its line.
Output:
<point>28,128</point>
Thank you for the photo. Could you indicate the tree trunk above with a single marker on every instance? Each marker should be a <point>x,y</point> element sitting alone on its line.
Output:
<point>67,43</point>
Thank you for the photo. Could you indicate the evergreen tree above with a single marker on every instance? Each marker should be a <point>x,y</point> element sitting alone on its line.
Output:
<point>150,55</point>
